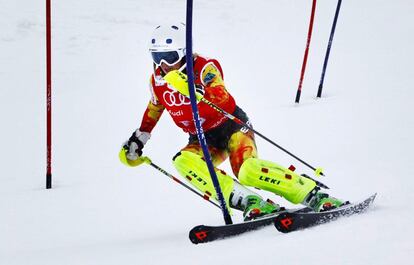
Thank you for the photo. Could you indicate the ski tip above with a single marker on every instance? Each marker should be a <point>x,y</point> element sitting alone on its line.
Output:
<point>372,197</point>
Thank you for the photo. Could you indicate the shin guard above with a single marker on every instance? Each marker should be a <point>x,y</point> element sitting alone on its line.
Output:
<point>194,169</point>
<point>270,176</point>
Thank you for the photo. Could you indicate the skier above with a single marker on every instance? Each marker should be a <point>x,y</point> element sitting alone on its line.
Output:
<point>225,138</point>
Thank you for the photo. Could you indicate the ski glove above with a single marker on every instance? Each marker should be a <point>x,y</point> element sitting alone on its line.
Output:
<point>135,144</point>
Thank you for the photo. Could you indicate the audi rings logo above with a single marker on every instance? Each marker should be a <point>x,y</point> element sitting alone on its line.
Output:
<point>175,99</point>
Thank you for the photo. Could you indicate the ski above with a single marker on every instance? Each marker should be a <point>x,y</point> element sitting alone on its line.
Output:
<point>292,221</point>
<point>205,233</point>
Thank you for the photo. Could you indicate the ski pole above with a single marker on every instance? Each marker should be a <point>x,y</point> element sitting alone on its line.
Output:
<point>318,183</point>
<point>318,171</point>
<point>305,57</point>
<point>178,80</point>
<point>328,49</point>
<point>149,162</point>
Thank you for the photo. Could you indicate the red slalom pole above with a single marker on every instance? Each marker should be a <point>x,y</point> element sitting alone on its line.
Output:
<point>48,96</point>
<point>305,58</point>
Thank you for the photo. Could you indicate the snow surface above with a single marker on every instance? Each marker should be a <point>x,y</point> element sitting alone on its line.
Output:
<point>100,212</point>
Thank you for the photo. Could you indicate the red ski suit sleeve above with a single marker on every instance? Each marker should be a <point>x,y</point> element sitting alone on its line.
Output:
<point>152,113</point>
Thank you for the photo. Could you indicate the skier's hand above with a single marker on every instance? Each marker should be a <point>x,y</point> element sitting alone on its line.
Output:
<point>179,82</point>
<point>133,147</point>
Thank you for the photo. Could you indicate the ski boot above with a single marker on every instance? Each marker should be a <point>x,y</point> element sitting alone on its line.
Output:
<point>257,207</point>
<point>321,202</point>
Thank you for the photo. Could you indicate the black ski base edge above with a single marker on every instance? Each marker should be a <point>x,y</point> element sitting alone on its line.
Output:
<point>204,233</point>
<point>289,222</point>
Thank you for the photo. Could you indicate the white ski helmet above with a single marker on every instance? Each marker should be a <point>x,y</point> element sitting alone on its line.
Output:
<point>168,43</point>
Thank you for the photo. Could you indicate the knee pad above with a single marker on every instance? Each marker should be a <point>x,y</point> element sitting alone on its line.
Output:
<point>270,176</point>
<point>194,169</point>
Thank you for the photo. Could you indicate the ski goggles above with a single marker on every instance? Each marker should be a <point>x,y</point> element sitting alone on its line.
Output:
<point>170,57</point>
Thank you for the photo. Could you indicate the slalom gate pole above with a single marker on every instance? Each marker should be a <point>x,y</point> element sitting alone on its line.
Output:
<point>200,133</point>
<point>149,162</point>
<point>318,171</point>
<point>48,96</point>
<point>328,50</point>
<point>305,57</point>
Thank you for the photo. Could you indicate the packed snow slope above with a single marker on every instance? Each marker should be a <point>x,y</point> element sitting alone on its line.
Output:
<point>100,212</point>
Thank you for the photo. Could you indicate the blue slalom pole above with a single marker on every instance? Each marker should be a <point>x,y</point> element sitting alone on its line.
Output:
<point>328,50</point>
<point>199,128</point>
